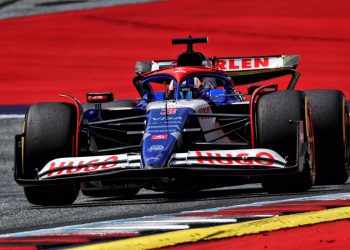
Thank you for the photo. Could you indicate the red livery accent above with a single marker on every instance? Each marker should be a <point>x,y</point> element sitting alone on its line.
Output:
<point>217,159</point>
<point>159,137</point>
<point>261,62</point>
<point>255,96</point>
<point>246,63</point>
<point>264,155</point>
<point>79,109</point>
<point>244,161</point>
<point>169,111</point>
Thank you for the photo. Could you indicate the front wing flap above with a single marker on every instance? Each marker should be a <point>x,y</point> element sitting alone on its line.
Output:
<point>124,166</point>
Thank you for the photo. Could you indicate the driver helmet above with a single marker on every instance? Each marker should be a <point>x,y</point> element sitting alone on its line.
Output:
<point>190,88</point>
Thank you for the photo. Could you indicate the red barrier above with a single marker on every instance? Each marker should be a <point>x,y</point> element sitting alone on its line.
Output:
<point>95,50</point>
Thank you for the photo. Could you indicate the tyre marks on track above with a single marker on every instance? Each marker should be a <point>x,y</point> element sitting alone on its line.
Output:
<point>151,225</point>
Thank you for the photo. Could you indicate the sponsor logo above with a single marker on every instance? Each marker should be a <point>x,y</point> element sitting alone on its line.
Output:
<point>158,130</point>
<point>56,165</point>
<point>269,89</point>
<point>169,111</point>
<point>159,137</point>
<point>97,98</point>
<point>156,148</point>
<point>180,70</point>
<point>262,158</point>
<point>244,63</point>
<point>166,118</point>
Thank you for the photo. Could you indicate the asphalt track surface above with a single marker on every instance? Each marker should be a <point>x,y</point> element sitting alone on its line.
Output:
<point>18,215</point>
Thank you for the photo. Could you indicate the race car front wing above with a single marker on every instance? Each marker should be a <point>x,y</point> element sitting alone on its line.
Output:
<point>245,162</point>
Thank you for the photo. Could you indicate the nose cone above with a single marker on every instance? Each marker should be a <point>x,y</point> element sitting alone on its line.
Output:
<point>162,135</point>
<point>157,148</point>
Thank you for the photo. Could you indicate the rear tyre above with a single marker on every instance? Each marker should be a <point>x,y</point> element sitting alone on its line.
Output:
<point>49,133</point>
<point>275,131</point>
<point>330,118</point>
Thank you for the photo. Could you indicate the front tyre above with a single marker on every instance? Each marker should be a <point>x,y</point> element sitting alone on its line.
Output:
<point>278,115</point>
<point>49,133</point>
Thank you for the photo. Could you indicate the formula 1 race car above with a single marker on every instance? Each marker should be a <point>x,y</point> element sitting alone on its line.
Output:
<point>191,129</point>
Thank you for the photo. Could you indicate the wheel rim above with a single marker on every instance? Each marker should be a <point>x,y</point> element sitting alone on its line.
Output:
<point>310,153</point>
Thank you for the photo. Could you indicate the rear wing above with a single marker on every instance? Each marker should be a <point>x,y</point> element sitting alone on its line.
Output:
<point>243,70</point>
<point>229,64</point>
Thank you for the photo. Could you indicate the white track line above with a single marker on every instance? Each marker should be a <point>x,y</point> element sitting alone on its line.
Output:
<point>11,116</point>
<point>132,222</point>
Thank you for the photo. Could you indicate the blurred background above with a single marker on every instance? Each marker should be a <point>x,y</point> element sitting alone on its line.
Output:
<point>79,46</point>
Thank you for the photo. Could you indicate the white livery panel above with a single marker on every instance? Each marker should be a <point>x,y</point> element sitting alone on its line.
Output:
<point>84,165</point>
<point>245,157</point>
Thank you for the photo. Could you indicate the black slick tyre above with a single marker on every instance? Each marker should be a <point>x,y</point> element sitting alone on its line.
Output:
<point>277,118</point>
<point>49,133</point>
<point>330,118</point>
